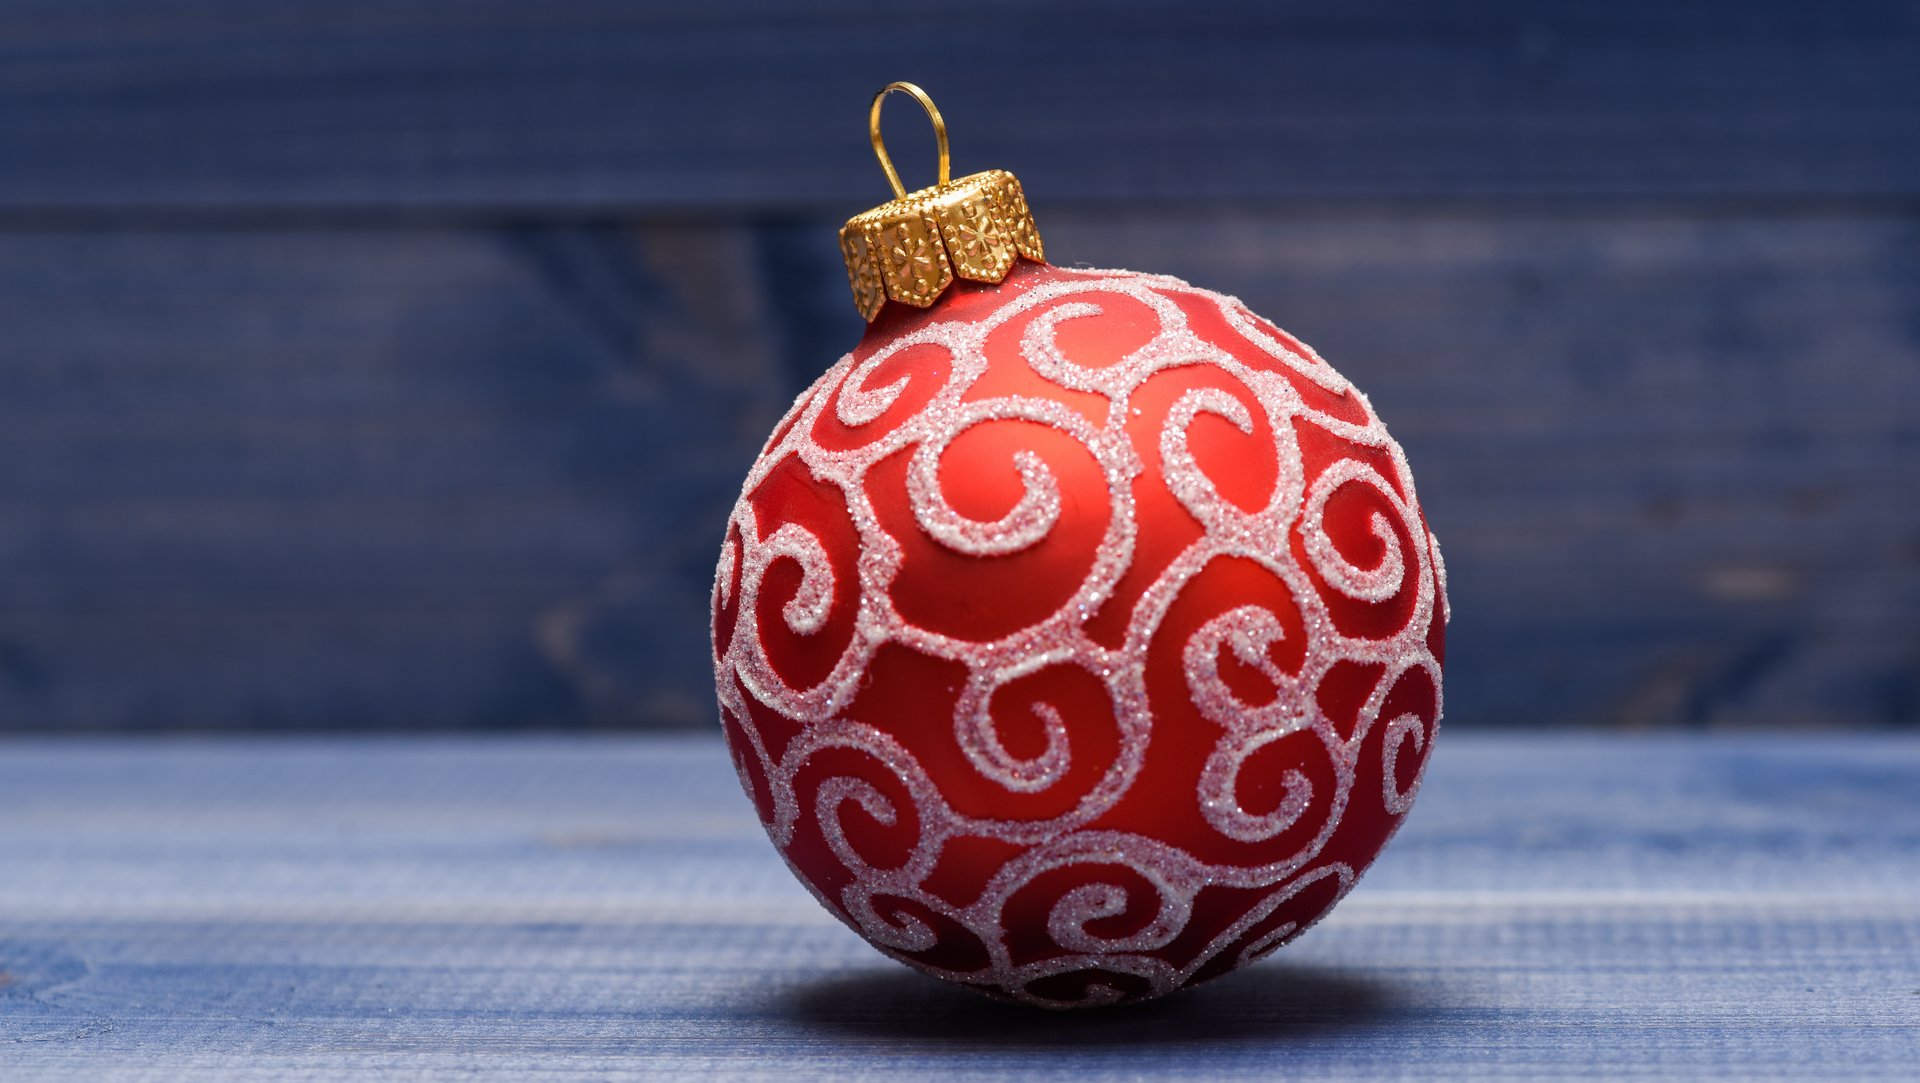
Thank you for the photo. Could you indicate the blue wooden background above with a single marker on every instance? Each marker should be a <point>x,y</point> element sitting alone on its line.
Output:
<point>392,363</point>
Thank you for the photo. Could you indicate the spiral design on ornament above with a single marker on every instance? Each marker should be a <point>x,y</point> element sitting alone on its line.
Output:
<point>1000,585</point>
<point>1375,584</point>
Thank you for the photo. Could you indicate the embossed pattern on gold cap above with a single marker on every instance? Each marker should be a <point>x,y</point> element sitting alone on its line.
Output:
<point>912,247</point>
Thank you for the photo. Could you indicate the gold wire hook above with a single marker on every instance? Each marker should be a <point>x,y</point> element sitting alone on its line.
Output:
<point>880,147</point>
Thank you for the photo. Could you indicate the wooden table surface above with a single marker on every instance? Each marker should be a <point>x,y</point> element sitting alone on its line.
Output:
<point>1559,906</point>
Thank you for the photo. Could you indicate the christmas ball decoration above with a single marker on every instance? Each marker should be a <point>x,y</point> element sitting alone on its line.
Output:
<point>1078,636</point>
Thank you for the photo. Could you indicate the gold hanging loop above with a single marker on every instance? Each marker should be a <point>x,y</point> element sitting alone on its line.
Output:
<point>880,146</point>
<point>911,248</point>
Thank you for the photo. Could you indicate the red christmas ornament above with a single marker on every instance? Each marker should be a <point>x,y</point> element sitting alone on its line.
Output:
<point>1077,636</point>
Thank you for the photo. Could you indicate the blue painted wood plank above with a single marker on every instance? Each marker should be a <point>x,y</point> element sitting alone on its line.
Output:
<point>353,478</point>
<point>514,105</point>
<point>437,477</point>
<point>1565,907</point>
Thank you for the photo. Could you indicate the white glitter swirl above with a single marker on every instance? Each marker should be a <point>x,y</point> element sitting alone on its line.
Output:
<point>1406,728</point>
<point>1375,584</point>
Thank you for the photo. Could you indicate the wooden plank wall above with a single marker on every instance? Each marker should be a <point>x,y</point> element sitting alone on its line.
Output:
<point>392,364</point>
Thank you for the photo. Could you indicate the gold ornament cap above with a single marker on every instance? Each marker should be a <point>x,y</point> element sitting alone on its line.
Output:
<point>912,247</point>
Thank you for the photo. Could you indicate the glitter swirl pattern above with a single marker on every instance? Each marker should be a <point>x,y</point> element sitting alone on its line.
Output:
<point>1081,639</point>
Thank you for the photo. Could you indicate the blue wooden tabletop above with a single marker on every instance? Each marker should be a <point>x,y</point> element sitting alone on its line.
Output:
<point>1558,906</point>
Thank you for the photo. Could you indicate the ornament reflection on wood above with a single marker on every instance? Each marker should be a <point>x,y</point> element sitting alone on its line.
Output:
<point>1078,636</point>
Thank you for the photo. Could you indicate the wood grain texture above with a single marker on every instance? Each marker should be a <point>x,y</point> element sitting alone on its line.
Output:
<point>349,478</point>
<point>1557,907</point>
<point>472,476</point>
<point>452,106</point>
